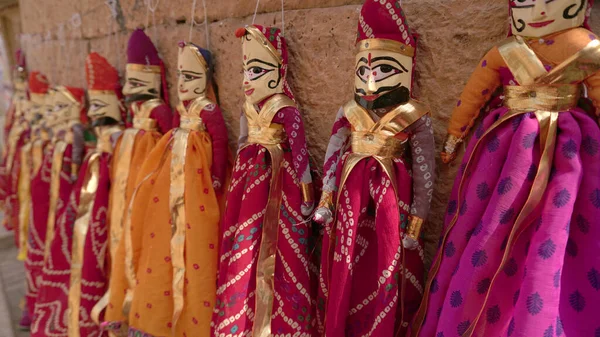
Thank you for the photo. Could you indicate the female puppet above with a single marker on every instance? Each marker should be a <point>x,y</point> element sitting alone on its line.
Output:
<point>151,118</point>
<point>74,272</point>
<point>264,285</point>
<point>172,236</point>
<point>519,252</point>
<point>379,173</point>
<point>63,156</point>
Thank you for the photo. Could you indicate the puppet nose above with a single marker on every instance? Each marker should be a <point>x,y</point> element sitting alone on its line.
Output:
<point>371,86</point>
<point>539,10</point>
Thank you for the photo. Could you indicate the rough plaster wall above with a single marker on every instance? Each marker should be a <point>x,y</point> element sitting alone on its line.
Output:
<point>454,34</point>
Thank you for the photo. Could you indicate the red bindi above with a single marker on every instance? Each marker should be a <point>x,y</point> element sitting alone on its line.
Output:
<point>543,13</point>
<point>245,57</point>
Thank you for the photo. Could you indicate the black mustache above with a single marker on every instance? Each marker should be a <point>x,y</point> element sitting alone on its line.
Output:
<point>138,97</point>
<point>380,90</point>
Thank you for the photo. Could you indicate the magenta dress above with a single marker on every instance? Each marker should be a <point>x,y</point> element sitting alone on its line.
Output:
<point>519,252</point>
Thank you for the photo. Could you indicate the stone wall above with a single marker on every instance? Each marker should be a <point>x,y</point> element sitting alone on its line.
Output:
<point>454,34</point>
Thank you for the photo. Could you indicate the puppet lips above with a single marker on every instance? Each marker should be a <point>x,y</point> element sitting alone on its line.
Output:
<point>183,91</point>
<point>370,97</point>
<point>540,24</point>
<point>249,92</point>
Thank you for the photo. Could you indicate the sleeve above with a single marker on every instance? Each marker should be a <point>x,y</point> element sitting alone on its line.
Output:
<point>78,144</point>
<point>215,125</point>
<point>338,144</point>
<point>422,146</point>
<point>294,128</point>
<point>243,138</point>
<point>164,118</point>
<point>479,89</point>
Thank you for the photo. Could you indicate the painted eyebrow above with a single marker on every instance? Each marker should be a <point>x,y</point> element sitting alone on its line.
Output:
<point>261,61</point>
<point>97,100</point>
<point>191,72</point>
<point>362,59</point>
<point>387,58</point>
<point>136,80</point>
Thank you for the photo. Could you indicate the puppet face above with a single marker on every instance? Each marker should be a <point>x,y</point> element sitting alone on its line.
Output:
<point>382,78</point>
<point>65,109</point>
<point>537,18</point>
<point>262,77</point>
<point>104,104</point>
<point>35,107</point>
<point>141,83</point>
<point>191,75</point>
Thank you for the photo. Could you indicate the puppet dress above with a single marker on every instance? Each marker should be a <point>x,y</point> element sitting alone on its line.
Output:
<point>264,281</point>
<point>172,234</point>
<point>369,283</point>
<point>73,275</point>
<point>151,119</point>
<point>518,254</point>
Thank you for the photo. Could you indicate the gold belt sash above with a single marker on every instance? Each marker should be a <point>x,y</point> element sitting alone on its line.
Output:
<point>558,97</point>
<point>24,194</point>
<point>377,145</point>
<point>147,124</point>
<point>57,163</point>
<point>81,227</point>
<point>190,123</point>
<point>274,134</point>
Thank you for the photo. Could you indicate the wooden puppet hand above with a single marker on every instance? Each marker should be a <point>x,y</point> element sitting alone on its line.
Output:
<point>307,207</point>
<point>323,216</point>
<point>450,148</point>
<point>217,185</point>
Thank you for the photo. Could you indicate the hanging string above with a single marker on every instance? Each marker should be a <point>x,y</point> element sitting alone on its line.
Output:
<point>62,43</point>
<point>75,25</point>
<point>151,8</point>
<point>255,11</point>
<point>206,24</point>
<point>282,20</point>
<point>112,40</point>
<point>192,20</point>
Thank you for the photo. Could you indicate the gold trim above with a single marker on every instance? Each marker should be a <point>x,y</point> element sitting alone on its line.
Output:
<point>57,162</point>
<point>538,97</point>
<point>415,224</point>
<point>24,195</point>
<point>260,129</point>
<point>451,144</point>
<point>521,60</point>
<point>308,194</point>
<point>387,45</point>
<point>578,67</point>
<point>63,90</point>
<point>82,224</point>
<point>143,68</point>
<point>198,54</point>
<point>258,35</point>
<point>326,200</point>
<point>178,219</point>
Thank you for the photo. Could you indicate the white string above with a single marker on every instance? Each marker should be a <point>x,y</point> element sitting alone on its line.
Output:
<point>282,20</point>
<point>206,24</point>
<point>192,20</point>
<point>152,8</point>
<point>112,6</point>
<point>255,10</point>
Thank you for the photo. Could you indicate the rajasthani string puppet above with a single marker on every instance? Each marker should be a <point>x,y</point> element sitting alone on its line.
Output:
<point>16,129</point>
<point>519,251</point>
<point>172,235</point>
<point>145,80</point>
<point>264,284</point>
<point>74,277</point>
<point>13,116</point>
<point>67,104</point>
<point>378,183</point>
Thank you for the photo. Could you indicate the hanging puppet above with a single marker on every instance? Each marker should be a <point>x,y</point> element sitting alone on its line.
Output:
<point>171,235</point>
<point>74,276</point>
<point>145,80</point>
<point>378,183</point>
<point>519,251</point>
<point>264,284</point>
<point>67,145</point>
<point>15,129</point>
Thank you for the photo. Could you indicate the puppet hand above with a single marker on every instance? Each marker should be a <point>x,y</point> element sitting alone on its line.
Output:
<point>410,243</point>
<point>217,184</point>
<point>323,215</point>
<point>307,207</point>
<point>448,158</point>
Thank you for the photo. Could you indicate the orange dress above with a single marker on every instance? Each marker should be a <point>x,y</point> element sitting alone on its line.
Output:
<point>172,232</point>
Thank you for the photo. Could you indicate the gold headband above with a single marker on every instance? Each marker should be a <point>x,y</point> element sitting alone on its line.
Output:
<point>387,45</point>
<point>67,94</point>
<point>143,67</point>
<point>258,35</point>
<point>101,92</point>
<point>198,54</point>
<point>38,96</point>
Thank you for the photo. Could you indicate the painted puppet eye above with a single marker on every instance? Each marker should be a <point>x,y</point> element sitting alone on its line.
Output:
<point>363,73</point>
<point>60,106</point>
<point>95,105</point>
<point>381,72</point>
<point>255,73</point>
<point>136,84</point>
<point>522,3</point>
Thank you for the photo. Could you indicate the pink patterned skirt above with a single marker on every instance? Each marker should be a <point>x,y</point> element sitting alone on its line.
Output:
<point>543,279</point>
<point>292,311</point>
<point>370,285</point>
